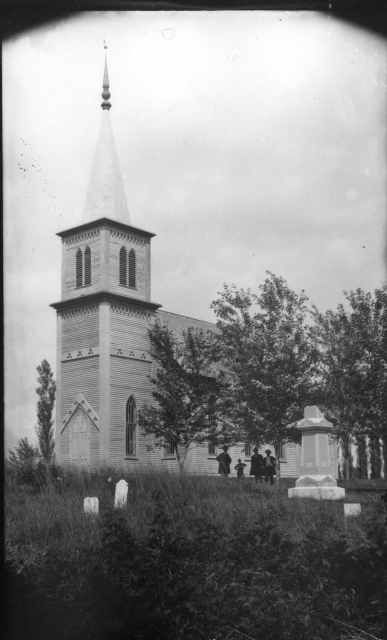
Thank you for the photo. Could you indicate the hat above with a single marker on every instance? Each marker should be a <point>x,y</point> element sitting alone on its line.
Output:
<point>268,451</point>
<point>255,449</point>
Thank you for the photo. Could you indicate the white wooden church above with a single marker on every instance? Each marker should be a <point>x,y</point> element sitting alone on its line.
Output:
<point>103,346</point>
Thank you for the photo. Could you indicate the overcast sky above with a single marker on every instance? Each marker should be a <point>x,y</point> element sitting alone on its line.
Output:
<point>248,141</point>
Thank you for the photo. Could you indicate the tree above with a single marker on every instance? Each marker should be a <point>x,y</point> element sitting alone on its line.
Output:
<point>185,390</point>
<point>353,347</point>
<point>25,454</point>
<point>46,393</point>
<point>25,462</point>
<point>265,342</point>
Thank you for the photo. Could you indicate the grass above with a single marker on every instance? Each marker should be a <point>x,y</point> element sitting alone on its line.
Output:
<point>192,557</point>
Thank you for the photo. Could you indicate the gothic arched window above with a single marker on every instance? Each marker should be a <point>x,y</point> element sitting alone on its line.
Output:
<point>131,424</point>
<point>123,269</point>
<point>87,266</point>
<point>132,269</point>
<point>79,269</point>
<point>83,268</point>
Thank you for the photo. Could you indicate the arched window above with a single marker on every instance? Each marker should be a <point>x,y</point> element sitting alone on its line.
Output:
<point>123,269</point>
<point>79,269</point>
<point>132,269</point>
<point>131,422</point>
<point>87,266</point>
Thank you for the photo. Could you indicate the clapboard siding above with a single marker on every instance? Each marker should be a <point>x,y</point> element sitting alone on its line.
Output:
<point>65,446</point>
<point>80,376</point>
<point>139,246</point>
<point>80,329</point>
<point>128,377</point>
<point>94,445</point>
<point>129,332</point>
<point>71,250</point>
<point>288,468</point>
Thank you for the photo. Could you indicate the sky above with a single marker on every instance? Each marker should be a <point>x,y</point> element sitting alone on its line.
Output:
<point>248,141</point>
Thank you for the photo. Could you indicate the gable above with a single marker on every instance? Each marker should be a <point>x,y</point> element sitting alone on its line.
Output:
<point>81,402</point>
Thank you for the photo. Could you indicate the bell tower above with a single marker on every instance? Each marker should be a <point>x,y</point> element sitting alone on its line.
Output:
<point>103,351</point>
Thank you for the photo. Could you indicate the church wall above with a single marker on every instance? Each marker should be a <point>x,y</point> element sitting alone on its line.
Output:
<point>289,469</point>
<point>88,239</point>
<point>128,377</point>
<point>80,376</point>
<point>80,328</point>
<point>129,328</point>
<point>120,239</point>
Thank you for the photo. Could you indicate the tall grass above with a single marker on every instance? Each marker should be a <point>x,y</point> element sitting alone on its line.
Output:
<point>180,529</point>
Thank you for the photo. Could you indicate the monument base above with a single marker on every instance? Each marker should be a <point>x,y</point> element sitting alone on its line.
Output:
<point>318,493</point>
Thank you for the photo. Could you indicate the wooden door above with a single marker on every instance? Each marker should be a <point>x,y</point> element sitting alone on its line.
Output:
<point>80,439</point>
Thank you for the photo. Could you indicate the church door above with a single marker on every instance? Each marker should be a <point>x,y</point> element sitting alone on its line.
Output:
<point>80,440</point>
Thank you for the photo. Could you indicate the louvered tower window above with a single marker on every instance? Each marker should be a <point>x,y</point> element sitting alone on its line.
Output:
<point>132,269</point>
<point>131,419</point>
<point>79,269</point>
<point>83,268</point>
<point>87,266</point>
<point>123,269</point>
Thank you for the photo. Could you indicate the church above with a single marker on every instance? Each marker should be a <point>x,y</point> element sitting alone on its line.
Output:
<point>103,346</point>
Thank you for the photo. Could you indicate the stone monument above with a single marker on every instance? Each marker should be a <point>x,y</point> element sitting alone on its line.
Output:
<point>91,505</point>
<point>352,509</point>
<point>121,494</point>
<point>318,459</point>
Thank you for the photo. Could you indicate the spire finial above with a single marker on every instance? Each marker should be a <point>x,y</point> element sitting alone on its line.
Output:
<point>105,84</point>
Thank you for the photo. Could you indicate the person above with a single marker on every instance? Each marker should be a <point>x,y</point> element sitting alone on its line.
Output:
<point>256,469</point>
<point>224,462</point>
<point>239,468</point>
<point>269,465</point>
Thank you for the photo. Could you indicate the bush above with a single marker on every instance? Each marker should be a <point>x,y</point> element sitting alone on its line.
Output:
<point>193,557</point>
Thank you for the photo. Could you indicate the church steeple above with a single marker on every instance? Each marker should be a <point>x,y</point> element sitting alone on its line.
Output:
<point>105,85</point>
<point>105,196</point>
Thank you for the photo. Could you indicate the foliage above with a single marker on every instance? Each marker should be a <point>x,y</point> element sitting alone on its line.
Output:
<point>25,462</point>
<point>353,352</point>
<point>190,557</point>
<point>265,342</point>
<point>46,393</point>
<point>184,389</point>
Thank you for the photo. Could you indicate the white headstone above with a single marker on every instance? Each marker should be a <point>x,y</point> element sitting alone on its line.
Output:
<point>91,505</point>
<point>352,509</point>
<point>121,494</point>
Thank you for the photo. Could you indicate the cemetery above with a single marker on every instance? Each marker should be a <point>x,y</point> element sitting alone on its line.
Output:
<point>104,554</point>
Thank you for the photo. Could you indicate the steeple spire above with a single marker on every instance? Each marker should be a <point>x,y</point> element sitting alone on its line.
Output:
<point>105,84</point>
<point>105,196</point>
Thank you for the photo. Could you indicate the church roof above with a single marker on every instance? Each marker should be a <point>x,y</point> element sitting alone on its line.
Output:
<point>179,323</point>
<point>105,196</point>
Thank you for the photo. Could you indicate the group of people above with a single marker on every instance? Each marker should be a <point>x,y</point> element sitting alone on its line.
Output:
<point>260,466</point>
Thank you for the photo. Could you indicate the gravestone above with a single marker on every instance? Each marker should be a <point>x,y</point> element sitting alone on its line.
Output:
<point>316,479</point>
<point>91,505</point>
<point>121,494</point>
<point>352,509</point>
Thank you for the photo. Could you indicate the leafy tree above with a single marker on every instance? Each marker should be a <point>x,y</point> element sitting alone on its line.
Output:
<point>25,454</point>
<point>353,346</point>
<point>362,457</point>
<point>185,390</point>
<point>46,393</point>
<point>25,462</point>
<point>265,342</point>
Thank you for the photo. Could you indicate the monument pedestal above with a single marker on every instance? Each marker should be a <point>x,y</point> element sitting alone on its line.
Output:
<point>317,487</point>
<point>315,460</point>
